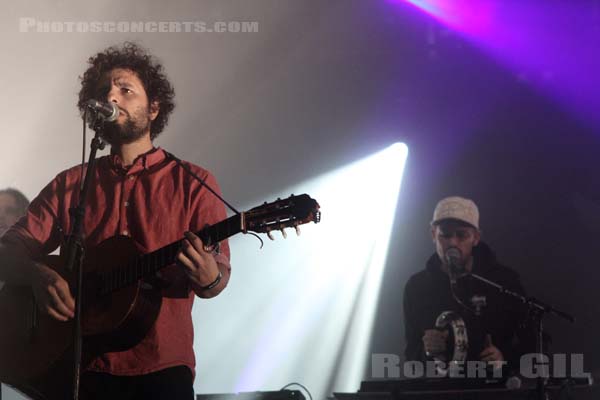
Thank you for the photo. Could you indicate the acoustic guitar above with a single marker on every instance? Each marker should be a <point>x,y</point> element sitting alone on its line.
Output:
<point>119,304</point>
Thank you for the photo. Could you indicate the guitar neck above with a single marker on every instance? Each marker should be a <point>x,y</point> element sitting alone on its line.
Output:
<point>146,266</point>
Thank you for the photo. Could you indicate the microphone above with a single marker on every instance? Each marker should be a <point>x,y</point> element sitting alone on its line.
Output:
<point>107,111</point>
<point>453,256</point>
<point>513,382</point>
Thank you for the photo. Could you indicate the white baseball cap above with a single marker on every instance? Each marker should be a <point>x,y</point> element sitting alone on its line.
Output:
<point>457,208</point>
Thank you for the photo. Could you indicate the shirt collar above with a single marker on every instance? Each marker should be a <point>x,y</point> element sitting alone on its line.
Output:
<point>142,162</point>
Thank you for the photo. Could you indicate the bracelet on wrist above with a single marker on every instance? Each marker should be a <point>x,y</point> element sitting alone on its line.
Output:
<point>213,283</point>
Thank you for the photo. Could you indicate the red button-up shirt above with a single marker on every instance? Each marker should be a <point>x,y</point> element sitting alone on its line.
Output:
<point>154,201</point>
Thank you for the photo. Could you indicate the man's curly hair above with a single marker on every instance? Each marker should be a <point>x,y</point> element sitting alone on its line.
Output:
<point>132,57</point>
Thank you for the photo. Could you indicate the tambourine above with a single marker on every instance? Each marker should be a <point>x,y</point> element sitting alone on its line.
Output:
<point>457,352</point>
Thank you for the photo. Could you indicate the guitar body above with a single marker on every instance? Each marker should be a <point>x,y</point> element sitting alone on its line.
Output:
<point>33,343</point>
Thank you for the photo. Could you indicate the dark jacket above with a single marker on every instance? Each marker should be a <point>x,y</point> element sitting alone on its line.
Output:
<point>427,294</point>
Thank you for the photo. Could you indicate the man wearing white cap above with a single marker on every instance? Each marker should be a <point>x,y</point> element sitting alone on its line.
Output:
<point>492,320</point>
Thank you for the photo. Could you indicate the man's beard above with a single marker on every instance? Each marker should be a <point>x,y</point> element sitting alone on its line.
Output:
<point>132,130</point>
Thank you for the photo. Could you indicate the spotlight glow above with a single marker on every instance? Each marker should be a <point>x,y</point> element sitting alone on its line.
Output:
<point>302,309</point>
<point>473,17</point>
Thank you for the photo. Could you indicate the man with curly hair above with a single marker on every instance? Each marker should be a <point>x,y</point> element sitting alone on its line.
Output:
<point>143,193</point>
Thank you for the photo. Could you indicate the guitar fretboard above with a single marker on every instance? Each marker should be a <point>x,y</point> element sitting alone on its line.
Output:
<point>147,265</point>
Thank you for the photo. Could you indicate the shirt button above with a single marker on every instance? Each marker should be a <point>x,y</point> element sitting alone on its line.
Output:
<point>125,233</point>
<point>126,204</point>
<point>131,177</point>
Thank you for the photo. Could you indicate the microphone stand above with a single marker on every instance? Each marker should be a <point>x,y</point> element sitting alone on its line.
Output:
<point>537,310</point>
<point>75,254</point>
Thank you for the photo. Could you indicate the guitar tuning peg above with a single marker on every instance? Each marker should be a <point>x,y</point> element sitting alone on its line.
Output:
<point>270,235</point>
<point>283,233</point>
<point>297,228</point>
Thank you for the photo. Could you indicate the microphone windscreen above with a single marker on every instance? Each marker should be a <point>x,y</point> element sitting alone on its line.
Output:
<point>453,255</point>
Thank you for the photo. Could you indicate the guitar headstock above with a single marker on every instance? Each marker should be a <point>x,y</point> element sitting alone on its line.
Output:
<point>281,214</point>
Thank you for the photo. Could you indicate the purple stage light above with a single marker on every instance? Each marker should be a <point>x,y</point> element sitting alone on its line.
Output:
<point>549,44</point>
<point>468,16</point>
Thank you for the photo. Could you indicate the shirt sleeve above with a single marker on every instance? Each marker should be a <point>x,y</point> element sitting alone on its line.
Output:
<point>207,209</point>
<point>38,232</point>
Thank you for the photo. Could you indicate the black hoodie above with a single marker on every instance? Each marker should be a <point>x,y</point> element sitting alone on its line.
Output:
<point>427,294</point>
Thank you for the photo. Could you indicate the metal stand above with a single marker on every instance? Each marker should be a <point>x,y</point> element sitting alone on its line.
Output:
<point>537,310</point>
<point>75,255</point>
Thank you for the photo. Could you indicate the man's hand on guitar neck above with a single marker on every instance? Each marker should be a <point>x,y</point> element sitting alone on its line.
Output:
<point>52,293</point>
<point>207,277</point>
